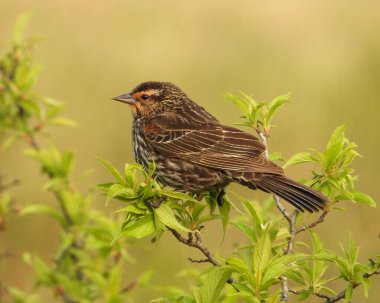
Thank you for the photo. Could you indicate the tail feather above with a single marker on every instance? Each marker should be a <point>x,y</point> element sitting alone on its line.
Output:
<point>299,195</point>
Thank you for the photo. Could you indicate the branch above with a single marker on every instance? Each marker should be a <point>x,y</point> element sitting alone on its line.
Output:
<point>129,287</point>
<point>282,209</point>
<point>292,231</point>
<point>32,141</point>
<point>320,219</point>
<point>64,210</point>
<point>8,185</point>
<point>197,243</point>
<point>290,218</point>
<point>198,261</point>
<point>342,294</point>
<point>299,292</point>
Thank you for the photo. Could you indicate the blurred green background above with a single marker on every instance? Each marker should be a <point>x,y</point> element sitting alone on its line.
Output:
<point>326,53</point>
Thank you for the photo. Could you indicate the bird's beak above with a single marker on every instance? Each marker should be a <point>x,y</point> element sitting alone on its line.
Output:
<point>126,98</point>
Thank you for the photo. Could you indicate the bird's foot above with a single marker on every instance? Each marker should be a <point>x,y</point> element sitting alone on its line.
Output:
<point>156,204</point>
<point>220,197</point>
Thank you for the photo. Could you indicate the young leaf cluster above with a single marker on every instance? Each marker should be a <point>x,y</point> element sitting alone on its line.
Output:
<point>23,113</point>
<point>258,115</point>
<point>335,176</point>
<point>85,267</point>
<point>150,209</point>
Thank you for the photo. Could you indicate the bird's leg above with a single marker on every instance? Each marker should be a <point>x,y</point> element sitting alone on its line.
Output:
<point>158,202</point>
<point>220,197</point>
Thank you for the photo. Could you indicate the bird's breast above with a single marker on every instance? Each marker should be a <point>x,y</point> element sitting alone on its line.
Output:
<point>142,151</point>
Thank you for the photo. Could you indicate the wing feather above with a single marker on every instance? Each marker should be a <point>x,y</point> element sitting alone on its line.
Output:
<point>208,144</point>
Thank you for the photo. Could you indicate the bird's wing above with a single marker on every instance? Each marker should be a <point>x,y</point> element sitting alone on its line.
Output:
<point>208,144</point>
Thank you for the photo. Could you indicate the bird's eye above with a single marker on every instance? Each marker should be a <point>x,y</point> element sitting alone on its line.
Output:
<point>144,97</point>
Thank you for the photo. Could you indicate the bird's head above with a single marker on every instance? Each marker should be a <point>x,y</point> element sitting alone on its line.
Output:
<point>153,97</point>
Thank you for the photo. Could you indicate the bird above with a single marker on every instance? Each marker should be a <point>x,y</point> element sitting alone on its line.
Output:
<point>195,153</point>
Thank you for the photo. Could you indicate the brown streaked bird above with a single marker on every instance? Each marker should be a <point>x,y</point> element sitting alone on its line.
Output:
<point>194,152</point>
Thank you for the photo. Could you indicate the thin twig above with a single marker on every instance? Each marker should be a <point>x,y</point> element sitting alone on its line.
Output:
<point>64,209</point>
<point>129,287</point>
<point>264,139</point>
<point>198,261</point>
<point>342,294</point>
<point>32,141</point>
<point>320,220</point>
<point>299,292</point>
<point>319,295</point>
<point>196,242</point>
<point>282,209</point>
<point>67,299</point>
<point>8,185</point>
<point>292,231</point>
<point>289,250</point>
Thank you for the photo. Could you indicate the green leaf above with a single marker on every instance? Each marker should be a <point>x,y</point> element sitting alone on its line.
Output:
<point>352,251</point>
<point>261,255</point>
<point>130,173</point>
<point>364,198</point>
<point>20,26</point>
<point>318,246</point>
<point>278,266</point>
<point>300,158</point>
<point>67,162</point>
<point>335,144</point>
<point>5,204</point>
<point>166,216</point>
<point>247,230</point>
<point>175,298</point>
<point>276,156</point>
<point>238,264</point>
<point>275,105</point>
<point>42,209</point>
<point>55,163</point>
<point>112,288</point>
<point>207,218</point>
<point>240,103</point>
<point>366,285</point>
<point>64,122</point>
<point>20,297</point>
<point>330,291</point>
<point>8,142</point>
<point>224,211</point>
<point>140,228</point>
<point>104,186</point>
<point>144,278</point>
<point>198,208</point>
<point>252,211</point>
<point>349,292</point>
<point>216,279</point>
<point>111,169</point>
<point>178,195</point>
<point>132,208</point>
<point>120,191</point>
